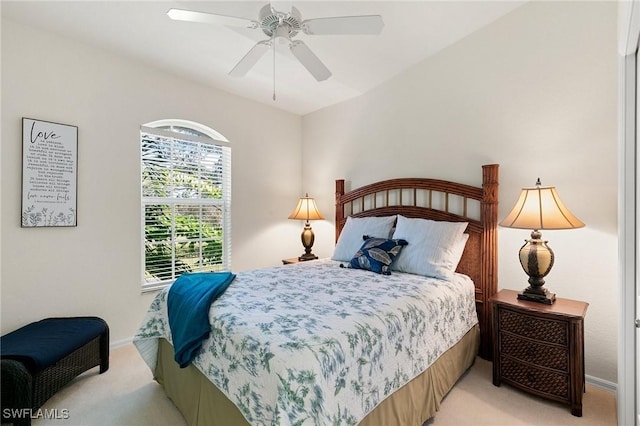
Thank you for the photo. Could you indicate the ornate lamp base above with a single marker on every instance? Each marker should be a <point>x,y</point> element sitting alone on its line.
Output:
<point>539,295</point>
<point>307,241</point>
<point>307,256</point>
<point>536,258</point>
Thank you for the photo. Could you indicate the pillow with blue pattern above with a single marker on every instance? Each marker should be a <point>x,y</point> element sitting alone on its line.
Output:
<point>377,254</point>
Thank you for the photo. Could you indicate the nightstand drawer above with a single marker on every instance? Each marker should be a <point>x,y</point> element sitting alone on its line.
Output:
<point>534,328</point>
<point>534,352</point>
<point>535,379</point>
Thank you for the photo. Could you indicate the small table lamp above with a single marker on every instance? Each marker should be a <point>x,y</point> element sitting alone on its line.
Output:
<point>539,208</point>
<point>306,210</point>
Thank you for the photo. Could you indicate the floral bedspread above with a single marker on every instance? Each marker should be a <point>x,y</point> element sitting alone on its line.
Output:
<point>316,344</point>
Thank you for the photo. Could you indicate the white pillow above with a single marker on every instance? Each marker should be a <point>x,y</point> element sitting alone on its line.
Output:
<point>434,248</point>
<point>355,228</point>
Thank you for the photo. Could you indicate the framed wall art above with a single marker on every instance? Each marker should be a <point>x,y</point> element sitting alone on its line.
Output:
<point>49,174</point>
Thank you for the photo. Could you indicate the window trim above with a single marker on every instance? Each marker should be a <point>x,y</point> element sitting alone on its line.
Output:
<point>216,136</point>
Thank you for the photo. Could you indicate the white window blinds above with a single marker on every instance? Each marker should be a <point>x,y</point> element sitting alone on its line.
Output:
<point>186,203</point>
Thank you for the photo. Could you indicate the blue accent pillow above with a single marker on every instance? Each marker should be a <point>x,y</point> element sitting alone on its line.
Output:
<point>377,254</point>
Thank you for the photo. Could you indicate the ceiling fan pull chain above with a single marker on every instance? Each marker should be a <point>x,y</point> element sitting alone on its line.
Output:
<point>274,68</point>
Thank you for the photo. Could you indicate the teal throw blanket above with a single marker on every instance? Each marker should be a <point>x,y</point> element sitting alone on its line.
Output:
<point>188,303</point>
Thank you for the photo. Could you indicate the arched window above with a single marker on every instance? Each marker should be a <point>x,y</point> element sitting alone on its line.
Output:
<point>186,200</point>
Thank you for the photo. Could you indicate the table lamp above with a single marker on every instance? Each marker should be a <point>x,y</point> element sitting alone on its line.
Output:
<point>306,210</point>
<point>539,208</point>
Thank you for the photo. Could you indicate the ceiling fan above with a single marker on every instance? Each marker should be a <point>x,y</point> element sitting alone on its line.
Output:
<point>285,26</point>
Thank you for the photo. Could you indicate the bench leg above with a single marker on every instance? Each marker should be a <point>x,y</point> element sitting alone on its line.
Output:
<point>16,393</point>
<point>104,351</point>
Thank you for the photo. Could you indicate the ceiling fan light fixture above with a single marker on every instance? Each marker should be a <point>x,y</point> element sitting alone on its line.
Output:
<point>282,33</point>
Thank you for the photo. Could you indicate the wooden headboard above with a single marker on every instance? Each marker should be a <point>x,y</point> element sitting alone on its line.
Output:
<point>441,200</point>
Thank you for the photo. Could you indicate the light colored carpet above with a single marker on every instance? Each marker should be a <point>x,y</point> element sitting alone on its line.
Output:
<point>127,395</point>
<point>475,401</point>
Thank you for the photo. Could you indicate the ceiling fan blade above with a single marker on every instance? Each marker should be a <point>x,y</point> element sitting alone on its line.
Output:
<point>250,59</point>
<point>310,61</point>
<point>366,24</point>
<point>211,18</point>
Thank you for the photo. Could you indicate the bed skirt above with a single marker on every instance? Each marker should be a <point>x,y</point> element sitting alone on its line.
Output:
<point>201,403</point>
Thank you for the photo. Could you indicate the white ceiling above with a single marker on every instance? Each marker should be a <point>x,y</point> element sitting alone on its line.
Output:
<point>205,53</point>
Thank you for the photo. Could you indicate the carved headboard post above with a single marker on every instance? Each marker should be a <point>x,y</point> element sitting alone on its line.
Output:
<point>339,207</point>
<point>489,218</point>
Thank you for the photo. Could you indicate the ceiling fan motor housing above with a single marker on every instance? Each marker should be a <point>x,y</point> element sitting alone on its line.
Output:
<point>271,21</point>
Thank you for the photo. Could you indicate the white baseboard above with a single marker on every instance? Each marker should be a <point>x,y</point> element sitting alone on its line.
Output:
<point>120,343</point>
<point>602,384</point>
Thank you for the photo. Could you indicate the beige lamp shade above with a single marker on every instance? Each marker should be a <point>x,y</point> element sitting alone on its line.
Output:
<point>306,210</point>
<point>540,208</point>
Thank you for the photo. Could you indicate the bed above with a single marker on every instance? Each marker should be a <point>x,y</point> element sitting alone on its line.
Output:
<point>324,342</point>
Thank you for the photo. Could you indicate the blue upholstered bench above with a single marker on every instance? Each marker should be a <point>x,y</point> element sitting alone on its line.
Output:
<point>42,357</point>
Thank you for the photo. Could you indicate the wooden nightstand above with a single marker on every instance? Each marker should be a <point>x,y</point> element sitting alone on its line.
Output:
<point>540,348</point>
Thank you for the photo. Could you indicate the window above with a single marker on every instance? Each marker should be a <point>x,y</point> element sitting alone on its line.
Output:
<point>186,201</point>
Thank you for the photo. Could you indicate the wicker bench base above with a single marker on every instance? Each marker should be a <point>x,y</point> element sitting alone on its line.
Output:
<point>24,393</point>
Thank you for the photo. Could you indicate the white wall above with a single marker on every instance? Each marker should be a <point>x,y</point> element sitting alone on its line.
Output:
<point>535,92</point>
<point>95,268</point>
